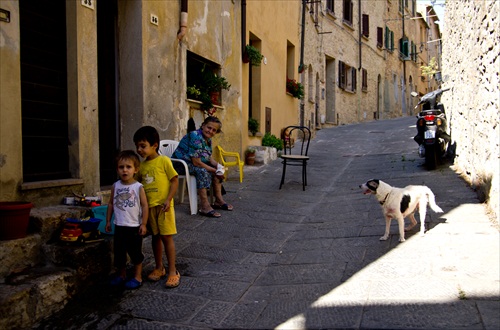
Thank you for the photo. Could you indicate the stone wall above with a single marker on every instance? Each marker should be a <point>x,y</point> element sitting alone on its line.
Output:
<point>471,63</point>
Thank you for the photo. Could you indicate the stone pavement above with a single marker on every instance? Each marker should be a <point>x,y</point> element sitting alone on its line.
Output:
<point>293,259</point>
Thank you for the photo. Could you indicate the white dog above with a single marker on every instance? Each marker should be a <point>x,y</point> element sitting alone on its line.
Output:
<point>399,203</point>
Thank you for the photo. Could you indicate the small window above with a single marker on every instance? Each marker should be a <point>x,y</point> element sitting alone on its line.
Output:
<point>366,25</point>
<point>389,39</point>
<point>348,8</point>
<point>380,37</point>
<point>364,82</point>
<point>330,6</point>
<point>347,77</point>
<point>404,53</point>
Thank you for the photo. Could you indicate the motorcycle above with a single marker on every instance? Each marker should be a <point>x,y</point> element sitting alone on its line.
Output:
<point>431,137</point>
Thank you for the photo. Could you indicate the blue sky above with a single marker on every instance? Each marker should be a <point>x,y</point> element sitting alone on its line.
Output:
<point>438,8</point>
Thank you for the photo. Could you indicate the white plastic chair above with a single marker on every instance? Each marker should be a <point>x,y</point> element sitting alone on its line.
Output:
<point>167,148</point>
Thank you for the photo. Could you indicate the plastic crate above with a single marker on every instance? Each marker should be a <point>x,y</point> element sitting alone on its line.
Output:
<point>100,213</point>
<point>87,225</point>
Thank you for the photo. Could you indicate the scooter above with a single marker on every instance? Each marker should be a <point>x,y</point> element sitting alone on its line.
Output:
<point>431,137</point>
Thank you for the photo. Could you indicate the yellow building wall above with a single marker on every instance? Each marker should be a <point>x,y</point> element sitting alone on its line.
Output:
<point>274,25</point>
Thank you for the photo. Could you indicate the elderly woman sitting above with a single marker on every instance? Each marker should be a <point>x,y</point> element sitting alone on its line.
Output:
<point>195,148</point>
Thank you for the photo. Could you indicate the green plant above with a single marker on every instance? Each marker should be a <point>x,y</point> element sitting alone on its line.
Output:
<point>431,69</point>
<point>250,150</point>
<point>270,140</point>
<point>254,55</point>
<point>193,92</point>
<point>295,88</point>
<point>253,126</point>
<point>208,91</point>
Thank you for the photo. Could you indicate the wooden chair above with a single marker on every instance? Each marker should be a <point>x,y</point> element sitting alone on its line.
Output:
<point>295,153</point>
<point>167,148</point>
<point>224,157</point>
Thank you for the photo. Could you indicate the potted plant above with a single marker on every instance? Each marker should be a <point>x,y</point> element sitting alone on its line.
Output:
<point>253,126</point>
<point>250,155</point>
<point>211,88</point>
<point>295,88</point>
<point>252,55</point>
<point>14,219</point>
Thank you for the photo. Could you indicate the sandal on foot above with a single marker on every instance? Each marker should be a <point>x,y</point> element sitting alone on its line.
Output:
<point>133,284</point>
<point>173,281</point>
<point>157,274</point>
<point>117,281</point>
<point>225,207</point>
<point>210,214</point>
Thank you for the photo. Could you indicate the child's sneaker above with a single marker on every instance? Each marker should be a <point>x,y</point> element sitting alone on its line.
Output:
<point>133,284</point>
<point>118,280</point>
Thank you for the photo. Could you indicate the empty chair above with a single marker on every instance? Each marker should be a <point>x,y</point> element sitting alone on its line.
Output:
<point>295,153</point>
<point>167,148</point>
<point>229,158</point>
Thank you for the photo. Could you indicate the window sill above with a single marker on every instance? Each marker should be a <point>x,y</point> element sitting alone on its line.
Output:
<point>50,184</point>
<point>195,104</point>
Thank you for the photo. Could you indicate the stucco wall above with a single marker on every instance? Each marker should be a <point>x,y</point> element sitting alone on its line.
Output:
<point>10,104</point>
<point>471,66</point>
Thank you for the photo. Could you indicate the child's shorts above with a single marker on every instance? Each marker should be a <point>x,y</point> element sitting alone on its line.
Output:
<point>127,240</point>
<point>160,222</point>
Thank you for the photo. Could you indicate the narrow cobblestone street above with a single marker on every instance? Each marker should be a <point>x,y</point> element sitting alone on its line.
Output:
<point>293,259</point>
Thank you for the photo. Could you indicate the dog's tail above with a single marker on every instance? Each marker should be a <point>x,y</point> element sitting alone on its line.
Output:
<point>432,202</point>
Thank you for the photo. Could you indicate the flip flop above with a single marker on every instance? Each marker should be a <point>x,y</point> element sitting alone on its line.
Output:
<point>225,207</point>
<point>210,214</point>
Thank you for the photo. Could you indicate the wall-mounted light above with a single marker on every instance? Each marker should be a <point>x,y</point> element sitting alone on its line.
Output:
<point>4,15</point>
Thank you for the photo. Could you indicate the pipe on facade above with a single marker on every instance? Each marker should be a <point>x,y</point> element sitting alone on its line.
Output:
<point>302,36</point>
<point>243,26</point>
<point>360,26</point>
<point>183,20</point>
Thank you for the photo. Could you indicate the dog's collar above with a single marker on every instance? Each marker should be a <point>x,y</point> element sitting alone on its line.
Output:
<point>382,202</point>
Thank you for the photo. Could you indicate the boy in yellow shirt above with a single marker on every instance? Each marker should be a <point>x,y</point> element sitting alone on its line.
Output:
<point>160,181</point>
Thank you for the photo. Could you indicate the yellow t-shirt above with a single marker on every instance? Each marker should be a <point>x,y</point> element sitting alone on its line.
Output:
<point>155,176</point>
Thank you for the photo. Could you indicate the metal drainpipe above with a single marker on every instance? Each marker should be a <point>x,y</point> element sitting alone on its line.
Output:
<point>183,20</point>
<point>302,36</point>
<point>360,44</point>
<point>243,26</point>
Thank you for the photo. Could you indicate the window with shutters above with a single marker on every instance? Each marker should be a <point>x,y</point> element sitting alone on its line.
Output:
<point>330,7</point>
<point>366,25</point>
<point>364,80</point>
<point>348,8</point>
<point>389,39</point>
<point>404,53</point>
<point>347,77</point>
<point>380,37</point>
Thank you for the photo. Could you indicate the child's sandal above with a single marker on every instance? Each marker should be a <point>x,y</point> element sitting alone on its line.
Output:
<point>156,274</point>
<point>173,281</point>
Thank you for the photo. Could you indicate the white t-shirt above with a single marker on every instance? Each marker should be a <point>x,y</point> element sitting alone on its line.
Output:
<point>127,204</point>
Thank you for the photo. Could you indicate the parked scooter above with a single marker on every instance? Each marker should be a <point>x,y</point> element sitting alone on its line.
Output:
<point>431,137</point>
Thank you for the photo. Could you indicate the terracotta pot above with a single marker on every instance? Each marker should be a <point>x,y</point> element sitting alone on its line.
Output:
<point>215,97</point>
<point>14,219</point>
<point>250,159</point>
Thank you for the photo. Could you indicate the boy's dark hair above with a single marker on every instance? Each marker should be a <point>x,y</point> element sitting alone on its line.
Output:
<point>128,154</point>
<point>147,133</point>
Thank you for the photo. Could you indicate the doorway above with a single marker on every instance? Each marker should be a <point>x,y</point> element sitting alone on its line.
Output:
<point>107,48</point>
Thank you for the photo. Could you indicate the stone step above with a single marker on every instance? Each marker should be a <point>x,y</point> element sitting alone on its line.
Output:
<point>39,274</point>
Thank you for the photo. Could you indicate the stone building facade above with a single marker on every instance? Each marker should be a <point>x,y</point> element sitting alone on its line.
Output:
<point>471,65</point>
<point>362,59</point>
<point>75,87</point>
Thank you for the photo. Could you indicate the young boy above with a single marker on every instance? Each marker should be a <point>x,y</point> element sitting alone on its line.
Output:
<point>129,204</point>
<point>160,181</point>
